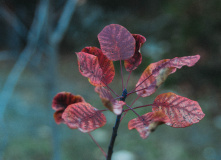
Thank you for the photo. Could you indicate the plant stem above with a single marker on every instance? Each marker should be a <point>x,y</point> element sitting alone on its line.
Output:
<point>110,89</point>
<point>115,128</point>
<point>128,79</point>
<point>114,135</point>
<point>97,144</point>
<point>122,76</point>
<point>126,110</point>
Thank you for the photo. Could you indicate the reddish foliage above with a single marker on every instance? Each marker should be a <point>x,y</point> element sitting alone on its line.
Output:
<point>135,61</point>
<point>148,122</point>
<point>84,117</point>
<point>89,67</point>
<point>116,42</point>
<point>60,103</point>
<point>106,65</point>
<point>156,73</point>
<point>181,111</point>
<point>108,101</point>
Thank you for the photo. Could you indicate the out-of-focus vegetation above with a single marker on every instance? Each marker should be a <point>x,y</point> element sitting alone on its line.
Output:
<point>172,28</point>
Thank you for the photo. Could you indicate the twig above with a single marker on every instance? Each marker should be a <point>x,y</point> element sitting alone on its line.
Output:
<point>54,40</point>
<point>128,79</point>
<point>23,59</point>
<point>63,22</point>
<point>115,129</point>
<point>126,110</point>
<point>104,153</point>
<point>13,20</point>
<point>122,79</point>
<point>113,137</point>
<point>110,88</point>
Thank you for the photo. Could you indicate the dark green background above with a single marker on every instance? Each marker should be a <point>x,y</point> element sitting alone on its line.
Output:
<point>173,28</point>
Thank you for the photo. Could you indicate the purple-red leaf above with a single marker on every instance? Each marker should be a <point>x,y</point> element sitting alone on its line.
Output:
<point>147,123</point>
<point>156,73</point>
<point>135,61</point>
<point>60,103</point>
<point>58,116</point>
<point>106,65</point>
<point>109,102</point>
<point>116,42</point>
<point>89,67</point>
<point>181,111</point>
<point>84,117</point>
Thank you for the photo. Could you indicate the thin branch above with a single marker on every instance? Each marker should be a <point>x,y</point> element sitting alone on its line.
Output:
<point>110,88</point>
<point>115,129</point>
<point>122,79</point>
<point>113,137</point>
<point>18,68</point>
<point>24,57</point>
<point>153,72</point>
<point>63,22</point>
<point>128,79</point>
<point>104,153</point>
<point>126,110</point>
<point>119,97</point>
<point>136,91</point>
<point>14,21</point>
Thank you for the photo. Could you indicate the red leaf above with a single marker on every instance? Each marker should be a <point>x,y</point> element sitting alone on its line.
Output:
<point>135,61</point>
<point>116,42</point>
<point>106,65</point>
<point>109,102</point>
<point>58,116</point>
<point>156,73</point>
<point>147,123</point>
<point>60,103</point>
<point>181,111</point>
<point>84,117</point>
<point>63,99</point>
<point>89,67</point>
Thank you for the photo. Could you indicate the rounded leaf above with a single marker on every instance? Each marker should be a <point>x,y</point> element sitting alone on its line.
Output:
<point>106,65</point>
<point>116,42</point>
<point>63,99</point>
<point>109,102</point>
<point>181,111</point>
<point>58,116</point>
<point>156,73</point>
<point>89,67</point>
<point>84,117</point>
<point>135,61</point>
<point>147,123</point>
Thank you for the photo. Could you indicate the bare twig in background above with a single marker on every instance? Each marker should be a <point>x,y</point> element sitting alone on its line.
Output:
<point>54,40</point>
<point>20,65</point>
<point>33,44</point>
<point>63,22</point>
<point>14,21</point>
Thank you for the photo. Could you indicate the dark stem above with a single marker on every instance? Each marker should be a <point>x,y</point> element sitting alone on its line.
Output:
<point>115,128</point>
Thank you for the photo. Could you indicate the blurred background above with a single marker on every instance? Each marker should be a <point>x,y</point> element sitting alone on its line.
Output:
<point>38,40</point>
